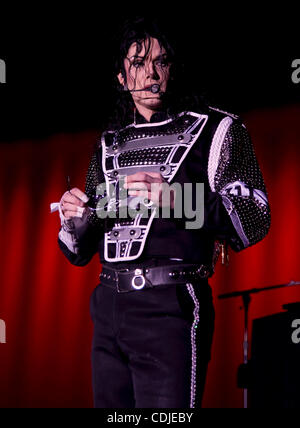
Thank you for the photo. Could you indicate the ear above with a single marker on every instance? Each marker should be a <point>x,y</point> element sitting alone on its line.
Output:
<point>121,79</point>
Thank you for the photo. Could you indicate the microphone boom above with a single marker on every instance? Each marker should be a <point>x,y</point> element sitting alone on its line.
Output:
<point>155,89</point>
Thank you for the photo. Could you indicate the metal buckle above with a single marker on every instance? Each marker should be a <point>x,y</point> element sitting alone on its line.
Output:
<point>202,271</point>
<point>138,273</point>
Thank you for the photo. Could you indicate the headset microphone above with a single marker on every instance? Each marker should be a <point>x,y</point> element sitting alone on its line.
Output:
<point>155,89</point>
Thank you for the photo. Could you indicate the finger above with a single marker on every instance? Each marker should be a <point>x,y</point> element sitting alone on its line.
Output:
<point>143,178</point>
<point>138,185</point>
<point>155,175</point>
<point>79,194</point>
<point>72,199</point>
<point>71,214</point>
<point>140,193</point>
<point>138,176</point>
<point>72,207</point>
<point>154,188</point>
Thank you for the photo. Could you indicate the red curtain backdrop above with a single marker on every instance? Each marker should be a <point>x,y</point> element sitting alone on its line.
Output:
<point>44,300</point>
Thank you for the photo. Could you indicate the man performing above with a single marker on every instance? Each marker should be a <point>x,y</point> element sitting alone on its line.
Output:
<point>152,311</point>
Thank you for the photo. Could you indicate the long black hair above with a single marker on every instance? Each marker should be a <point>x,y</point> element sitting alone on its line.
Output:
<point>180,95</point>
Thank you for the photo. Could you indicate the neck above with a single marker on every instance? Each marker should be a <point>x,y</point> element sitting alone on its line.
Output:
<point>146,113</point>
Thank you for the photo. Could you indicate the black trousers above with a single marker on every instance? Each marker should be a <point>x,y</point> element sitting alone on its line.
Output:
<point>151,347</point>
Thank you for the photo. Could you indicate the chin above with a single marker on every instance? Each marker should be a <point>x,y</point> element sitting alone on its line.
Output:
<point>154,103</point>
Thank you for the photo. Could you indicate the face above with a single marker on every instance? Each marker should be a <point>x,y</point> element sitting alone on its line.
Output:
<point>146,64</point>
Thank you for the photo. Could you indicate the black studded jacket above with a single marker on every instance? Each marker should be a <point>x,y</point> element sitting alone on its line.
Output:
<point>236,209</point>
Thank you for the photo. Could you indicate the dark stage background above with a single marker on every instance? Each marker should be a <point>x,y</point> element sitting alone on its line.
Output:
<point>52,109</point>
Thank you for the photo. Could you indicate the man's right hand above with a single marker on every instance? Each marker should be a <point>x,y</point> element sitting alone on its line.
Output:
<point>73,203</point>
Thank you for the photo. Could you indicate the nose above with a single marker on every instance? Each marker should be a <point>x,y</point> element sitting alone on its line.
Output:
<point>151,72</point>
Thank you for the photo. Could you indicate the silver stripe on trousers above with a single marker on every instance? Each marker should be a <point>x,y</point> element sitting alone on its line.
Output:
<point>194,327</point>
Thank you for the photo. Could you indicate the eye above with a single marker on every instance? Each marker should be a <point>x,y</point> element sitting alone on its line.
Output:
<point>162,63</point>
<point>137,64</point>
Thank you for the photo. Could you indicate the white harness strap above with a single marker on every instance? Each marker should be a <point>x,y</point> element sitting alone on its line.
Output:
<point>156,147</point>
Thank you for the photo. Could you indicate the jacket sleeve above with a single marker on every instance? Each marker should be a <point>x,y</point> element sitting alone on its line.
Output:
<point>216,219</point>
<point>79,237</point>
<point>234,174</point>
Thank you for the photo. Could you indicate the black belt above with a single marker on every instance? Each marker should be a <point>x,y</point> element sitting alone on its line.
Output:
<point>147,277</point>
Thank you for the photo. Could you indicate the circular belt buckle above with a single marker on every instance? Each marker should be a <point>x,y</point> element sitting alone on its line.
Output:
<point>138,275</point>
<point>202,272</point>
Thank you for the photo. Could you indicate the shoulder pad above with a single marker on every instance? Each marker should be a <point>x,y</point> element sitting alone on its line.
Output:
<point>225,113</point>
<point>108,137</point>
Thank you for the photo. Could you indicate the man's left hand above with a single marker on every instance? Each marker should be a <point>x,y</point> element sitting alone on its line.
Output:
<point>150,185</point>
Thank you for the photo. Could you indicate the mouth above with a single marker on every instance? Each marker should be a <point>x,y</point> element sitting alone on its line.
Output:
<point>154,88</point>
<point>147,89</point>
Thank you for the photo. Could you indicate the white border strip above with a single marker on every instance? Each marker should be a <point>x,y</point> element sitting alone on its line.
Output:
<point>235,221</point>
<point>215,150</point>
<point>164,122</point>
